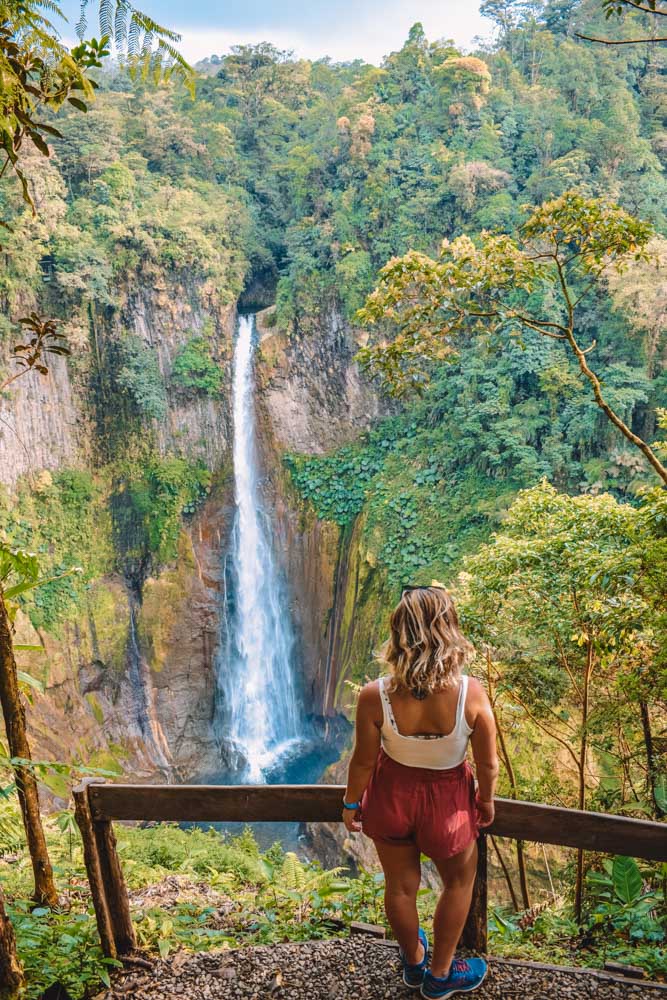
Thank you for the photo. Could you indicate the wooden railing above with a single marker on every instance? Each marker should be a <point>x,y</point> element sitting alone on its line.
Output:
<point>97,805</point>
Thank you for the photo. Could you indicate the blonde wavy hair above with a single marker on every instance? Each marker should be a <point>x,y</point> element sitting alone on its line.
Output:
<point>426,650</point>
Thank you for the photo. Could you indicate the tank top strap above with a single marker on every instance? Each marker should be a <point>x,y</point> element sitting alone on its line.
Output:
<point>461,704</point>
<point>386,704</point>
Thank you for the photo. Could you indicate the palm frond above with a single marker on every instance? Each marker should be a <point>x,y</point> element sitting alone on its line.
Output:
<point>168,49</point>
<point>81,25</point>
<point>158,30</point>
<point>136,34</point>
<point>106,16</point>
<point>147,43</point>
<point>120,24</point>
<point>133,35</point>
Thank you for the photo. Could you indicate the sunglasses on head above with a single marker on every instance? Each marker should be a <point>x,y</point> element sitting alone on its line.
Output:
<point>425,586</point>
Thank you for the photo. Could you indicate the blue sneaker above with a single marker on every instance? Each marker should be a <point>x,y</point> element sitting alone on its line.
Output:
<point>465,975</point>
<point>413,975</point>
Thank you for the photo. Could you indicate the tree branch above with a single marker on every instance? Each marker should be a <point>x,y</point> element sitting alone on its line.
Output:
<point>625,41</point>
<point>638,442</point>
<point>647,10</point>
<point>554,736</point>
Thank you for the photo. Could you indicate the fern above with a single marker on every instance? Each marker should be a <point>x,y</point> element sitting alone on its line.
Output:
<point>120,25</point>
<point>106,19</point>
<point>293,875</point>
<point>134,33</point>
<point>81,25</point>
<point>12,837</point>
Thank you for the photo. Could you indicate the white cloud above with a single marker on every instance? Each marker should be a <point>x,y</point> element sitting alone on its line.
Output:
<point>369,36</point>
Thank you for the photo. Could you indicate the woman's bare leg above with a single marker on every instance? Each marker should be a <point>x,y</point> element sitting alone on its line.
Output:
<point>458,876</point>
<point>402,874</point>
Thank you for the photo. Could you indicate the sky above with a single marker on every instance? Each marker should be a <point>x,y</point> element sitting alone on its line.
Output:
<point>341,29</point>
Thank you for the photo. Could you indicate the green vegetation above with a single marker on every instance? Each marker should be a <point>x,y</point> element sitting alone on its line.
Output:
<point>149,499</point>
<point>125,517</point>
<point>139,375</point>
<point>62,517</point>
<point>195,368</point>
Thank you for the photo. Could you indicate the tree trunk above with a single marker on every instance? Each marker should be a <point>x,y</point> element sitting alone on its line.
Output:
<point>634,439</point>
<point>11,976</point>
<point>579,885</point>
<point>26,785</point>
<point>504,753</point>
<point>651,765</point>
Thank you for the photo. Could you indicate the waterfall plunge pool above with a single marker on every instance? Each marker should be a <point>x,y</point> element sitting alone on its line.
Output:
<point>302,763</point>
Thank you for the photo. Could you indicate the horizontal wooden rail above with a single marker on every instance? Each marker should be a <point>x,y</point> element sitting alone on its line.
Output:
<point>98,805</point>
<point>322,803</point>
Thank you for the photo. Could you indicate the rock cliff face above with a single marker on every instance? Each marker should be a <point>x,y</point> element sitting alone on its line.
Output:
<point>133,669</point>
<point>311,400</point>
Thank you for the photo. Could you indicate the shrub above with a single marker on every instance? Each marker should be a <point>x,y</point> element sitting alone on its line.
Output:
<point>195,368</point>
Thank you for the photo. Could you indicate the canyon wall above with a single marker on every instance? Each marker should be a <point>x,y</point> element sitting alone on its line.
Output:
<point>132,669</point>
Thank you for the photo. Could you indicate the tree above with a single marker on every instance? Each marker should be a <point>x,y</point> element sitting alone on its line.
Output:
<point>39,74</point>
<point>559,596</point>
<point>11,974</point>
<point>19,573</point>
<point>500,286</point>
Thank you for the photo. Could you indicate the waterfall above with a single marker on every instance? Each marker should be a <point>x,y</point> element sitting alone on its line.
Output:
<point>257,716</point>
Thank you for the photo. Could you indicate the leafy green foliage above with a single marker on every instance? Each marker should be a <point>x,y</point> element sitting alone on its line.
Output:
<point>195,368</point>
<point>62,520</point>
<point>500,288</point>
<point>59,948</point>
<point>338,484</point>
<point>38,73</point>
<point>139,375</point>
<point>149,498</point>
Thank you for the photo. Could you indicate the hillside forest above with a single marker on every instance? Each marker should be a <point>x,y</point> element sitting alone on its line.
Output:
<point>481,239</point>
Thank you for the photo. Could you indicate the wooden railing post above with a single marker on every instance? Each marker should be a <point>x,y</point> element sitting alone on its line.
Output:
<point>107,884</point>
<point>91,860</point>
<point>474,935</point>
<point>117,899</point>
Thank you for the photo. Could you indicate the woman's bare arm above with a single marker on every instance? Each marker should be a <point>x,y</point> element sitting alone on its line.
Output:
<point>366,746</point>
<point>485,754</point>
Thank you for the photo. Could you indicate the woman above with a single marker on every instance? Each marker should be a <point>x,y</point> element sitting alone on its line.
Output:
<point>411,789</point>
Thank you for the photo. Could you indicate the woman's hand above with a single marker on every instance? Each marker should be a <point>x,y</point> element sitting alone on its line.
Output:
<point>486,811</point>
<point>352,820</point>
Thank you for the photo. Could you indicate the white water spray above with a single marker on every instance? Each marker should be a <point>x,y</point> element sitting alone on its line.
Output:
<point>258,714</point>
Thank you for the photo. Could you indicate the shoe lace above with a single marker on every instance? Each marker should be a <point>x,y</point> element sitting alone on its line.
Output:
<point>460,965</point>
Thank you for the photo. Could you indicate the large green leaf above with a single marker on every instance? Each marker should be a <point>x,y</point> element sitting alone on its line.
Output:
<point>29,681</point>
<point>627,879</point>
<point>661,791</point>
<point>25,585</point>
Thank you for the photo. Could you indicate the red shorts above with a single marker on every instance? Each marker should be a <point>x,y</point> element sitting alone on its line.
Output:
<point>435,810</point>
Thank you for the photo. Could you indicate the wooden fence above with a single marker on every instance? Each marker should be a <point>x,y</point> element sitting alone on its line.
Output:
<point>97,805</point>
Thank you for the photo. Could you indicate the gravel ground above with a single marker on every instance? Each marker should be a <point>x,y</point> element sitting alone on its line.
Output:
<point>358,968</point>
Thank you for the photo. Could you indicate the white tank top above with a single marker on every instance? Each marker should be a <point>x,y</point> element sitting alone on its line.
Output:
<point>434,752</point>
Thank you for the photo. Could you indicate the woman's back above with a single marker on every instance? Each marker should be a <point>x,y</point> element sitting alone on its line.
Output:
<point>432,732</point>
